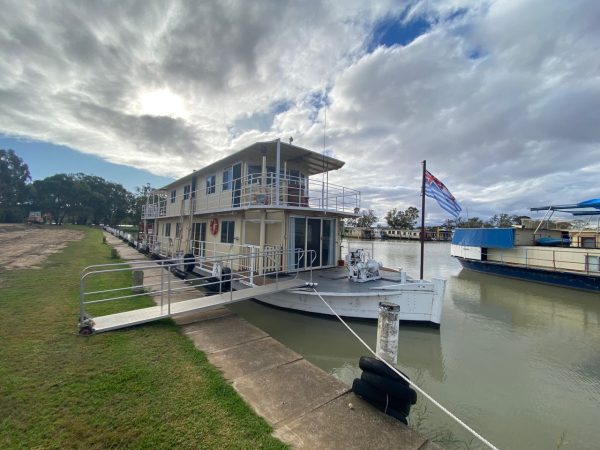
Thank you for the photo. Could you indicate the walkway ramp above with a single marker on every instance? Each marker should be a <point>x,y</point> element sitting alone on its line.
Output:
<point>143,315</point>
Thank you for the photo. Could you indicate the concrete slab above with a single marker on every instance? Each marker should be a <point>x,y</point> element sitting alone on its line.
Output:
<point>288,391</point>
<point>252,357</point>
<point>357,428</point>
<point>221,333</point>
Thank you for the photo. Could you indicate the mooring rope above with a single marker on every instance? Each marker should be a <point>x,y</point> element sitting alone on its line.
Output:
<point>417,388</point>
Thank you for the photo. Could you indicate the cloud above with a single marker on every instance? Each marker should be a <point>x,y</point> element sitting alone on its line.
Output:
<point>501,98</point>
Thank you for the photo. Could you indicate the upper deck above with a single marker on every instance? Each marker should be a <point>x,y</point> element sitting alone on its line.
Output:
<point>249,179</point>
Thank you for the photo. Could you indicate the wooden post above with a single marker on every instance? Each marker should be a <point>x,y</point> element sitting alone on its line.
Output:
<point>388,325</point>
<point>138,281</point>
<point>114,254</point>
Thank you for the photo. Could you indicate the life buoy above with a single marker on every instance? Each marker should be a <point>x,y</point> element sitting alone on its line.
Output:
<point>214,226</point>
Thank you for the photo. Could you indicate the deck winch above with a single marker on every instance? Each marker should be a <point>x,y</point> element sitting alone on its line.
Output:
<point>361,268</point>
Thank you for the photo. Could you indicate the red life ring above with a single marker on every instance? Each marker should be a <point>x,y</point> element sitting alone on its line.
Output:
<point>214,226</point>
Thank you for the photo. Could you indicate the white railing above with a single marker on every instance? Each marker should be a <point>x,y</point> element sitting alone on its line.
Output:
<point>154,279</point>
<point>568,259</point>
<point>258,191</point>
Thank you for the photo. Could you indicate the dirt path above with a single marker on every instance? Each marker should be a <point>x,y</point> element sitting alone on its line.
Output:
<point>22,246</point>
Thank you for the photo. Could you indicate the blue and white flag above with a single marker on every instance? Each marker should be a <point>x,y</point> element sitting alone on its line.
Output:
<point>434,188</point>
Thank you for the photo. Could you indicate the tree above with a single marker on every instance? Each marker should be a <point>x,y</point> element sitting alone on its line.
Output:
<point>503,220</point>
<point>473,222</point>
<point>402,219</point>
<point>366,219</point>
<point>14,190</point>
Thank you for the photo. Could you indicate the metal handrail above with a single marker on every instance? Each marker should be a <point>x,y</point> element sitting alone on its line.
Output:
<point>259,190</point>
<point>166,286</point>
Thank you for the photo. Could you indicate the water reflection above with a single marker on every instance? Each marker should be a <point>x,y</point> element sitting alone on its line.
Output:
<point>327,343</point>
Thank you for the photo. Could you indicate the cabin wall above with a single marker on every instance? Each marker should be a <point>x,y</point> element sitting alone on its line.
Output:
<point>574,259</point>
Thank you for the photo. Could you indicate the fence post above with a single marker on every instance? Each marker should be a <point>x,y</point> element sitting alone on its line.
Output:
<point>388,325</point>
<point>138,281</point>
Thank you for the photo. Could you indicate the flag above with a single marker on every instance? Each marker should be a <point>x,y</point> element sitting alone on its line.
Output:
<point>434,188</point>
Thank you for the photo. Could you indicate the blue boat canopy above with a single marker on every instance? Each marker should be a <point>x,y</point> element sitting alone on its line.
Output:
<point>484,237</point>
<point>592,203</point>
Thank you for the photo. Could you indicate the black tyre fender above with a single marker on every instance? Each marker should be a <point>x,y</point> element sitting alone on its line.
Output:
<point>378,400</point>
<point>380,368</point>
<point>396,389</point>
<point>189,262</point>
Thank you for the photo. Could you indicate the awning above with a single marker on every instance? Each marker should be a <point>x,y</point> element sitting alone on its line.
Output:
<point>484,237</point>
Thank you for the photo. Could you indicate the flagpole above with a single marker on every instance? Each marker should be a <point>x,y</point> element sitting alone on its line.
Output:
<point>423,218</point>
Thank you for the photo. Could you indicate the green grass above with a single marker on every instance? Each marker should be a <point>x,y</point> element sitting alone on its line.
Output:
<point>144,387</point>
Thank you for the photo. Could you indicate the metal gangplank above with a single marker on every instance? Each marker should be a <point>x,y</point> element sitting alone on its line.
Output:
<point>174,287</point>
<point>143,315</point>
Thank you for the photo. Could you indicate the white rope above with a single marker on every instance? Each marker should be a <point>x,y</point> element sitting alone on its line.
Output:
<point>417,388</point>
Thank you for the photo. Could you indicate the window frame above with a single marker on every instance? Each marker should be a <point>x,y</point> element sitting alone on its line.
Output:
<point>173,195</point>
<point>227,231</point>
<point>211,184</point>
<point>227,185</point>
<point>167,230</point>
<point>186,191</point>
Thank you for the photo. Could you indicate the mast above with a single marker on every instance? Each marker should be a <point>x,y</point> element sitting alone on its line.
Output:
<point>423,218</point>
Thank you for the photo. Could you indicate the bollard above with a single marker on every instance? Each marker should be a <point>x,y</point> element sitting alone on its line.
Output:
<point>138,281</point>
<point>104,239</point>
<point>402,275</point>
<point>114,254</point>
<point>388,325</point>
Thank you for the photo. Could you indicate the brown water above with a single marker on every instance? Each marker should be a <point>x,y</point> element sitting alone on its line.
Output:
<point>518,361</point>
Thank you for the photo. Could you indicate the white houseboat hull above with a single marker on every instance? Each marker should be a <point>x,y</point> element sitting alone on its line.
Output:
<point>419,301</point>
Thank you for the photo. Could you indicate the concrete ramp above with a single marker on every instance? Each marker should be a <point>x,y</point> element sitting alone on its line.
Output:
<point>143,315</point>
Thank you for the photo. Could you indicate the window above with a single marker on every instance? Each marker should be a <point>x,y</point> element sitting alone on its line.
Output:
<point>173,195</point>
<point>167,229</point>
<point>211,182</point>
<point>177,230</point>
<point>227,179</point>
<point>588,242</point>
<point>593,263</point>
<point>186,191</point>
<point>227,231</point>
<point>254,174</point>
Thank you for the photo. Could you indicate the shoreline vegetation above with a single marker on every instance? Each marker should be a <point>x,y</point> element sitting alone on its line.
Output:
<point>143,387</point>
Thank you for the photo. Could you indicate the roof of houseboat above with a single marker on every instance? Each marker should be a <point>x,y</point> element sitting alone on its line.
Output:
<point>588,207</point>
<point>315,162</point>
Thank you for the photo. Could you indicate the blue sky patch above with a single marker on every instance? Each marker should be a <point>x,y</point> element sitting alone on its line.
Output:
<point>260,120</point>
<point>393,30</point>
<point>45,159</point>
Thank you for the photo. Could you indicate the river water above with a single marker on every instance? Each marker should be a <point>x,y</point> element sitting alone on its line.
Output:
<point>517,361</point>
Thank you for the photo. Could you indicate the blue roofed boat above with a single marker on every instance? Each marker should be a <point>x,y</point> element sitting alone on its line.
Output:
<point>538,251</point>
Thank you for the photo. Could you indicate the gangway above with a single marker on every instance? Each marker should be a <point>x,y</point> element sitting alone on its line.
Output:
<point>172,294</point>
<point>143,315</point>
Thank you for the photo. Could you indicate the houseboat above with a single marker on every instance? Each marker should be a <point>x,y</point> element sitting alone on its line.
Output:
<point>268,211</point>
<point>537,252</point>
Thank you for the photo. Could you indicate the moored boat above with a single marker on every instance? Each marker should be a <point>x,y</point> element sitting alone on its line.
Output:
<point>262,213</point>
<point>567,257</point>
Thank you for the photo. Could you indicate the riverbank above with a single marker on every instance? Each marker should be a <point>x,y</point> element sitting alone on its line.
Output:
<point>144,387</point>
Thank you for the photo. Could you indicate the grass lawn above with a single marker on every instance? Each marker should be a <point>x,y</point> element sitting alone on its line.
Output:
<point>145,387</point>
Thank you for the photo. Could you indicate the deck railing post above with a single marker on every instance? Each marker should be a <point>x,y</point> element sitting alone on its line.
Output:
<point>162,286</point>
<point>388,325</point>
<point>169,293</point>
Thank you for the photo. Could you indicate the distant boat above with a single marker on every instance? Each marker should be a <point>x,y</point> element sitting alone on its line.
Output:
<point>566,258</point>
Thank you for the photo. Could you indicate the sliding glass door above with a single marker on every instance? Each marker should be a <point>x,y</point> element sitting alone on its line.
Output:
<point>312,240</point>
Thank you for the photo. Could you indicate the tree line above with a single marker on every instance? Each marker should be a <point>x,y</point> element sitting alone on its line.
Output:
<point>63,198</point>
<point>407,220</point>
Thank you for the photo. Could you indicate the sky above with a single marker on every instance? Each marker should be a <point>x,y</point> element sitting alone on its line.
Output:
<point>501,98</point>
